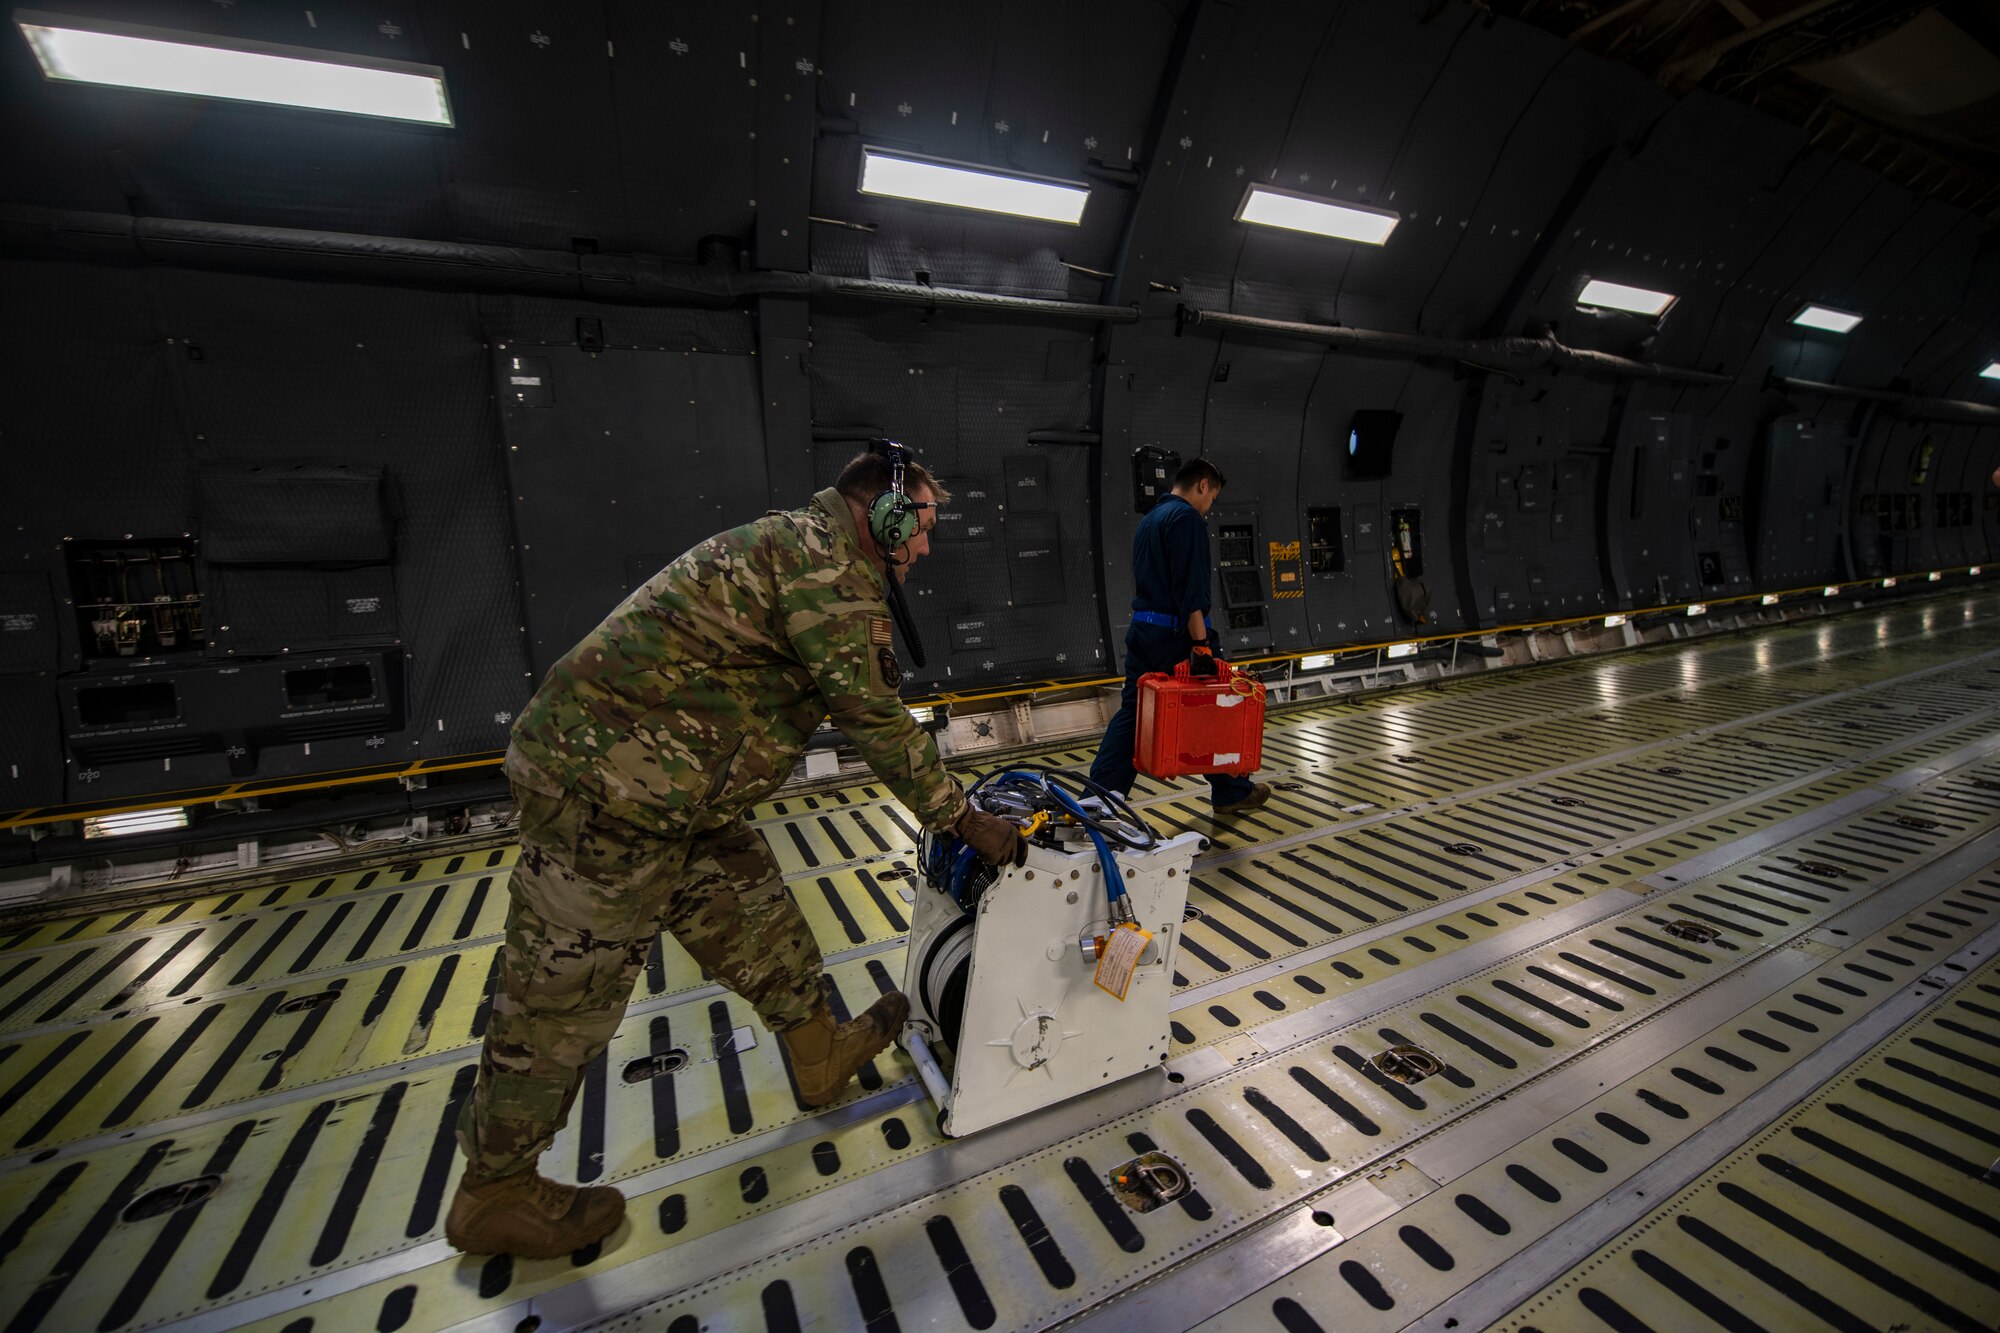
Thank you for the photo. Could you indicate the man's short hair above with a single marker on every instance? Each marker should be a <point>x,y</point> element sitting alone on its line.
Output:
<point>1197,470</point>
<point>867,476</point>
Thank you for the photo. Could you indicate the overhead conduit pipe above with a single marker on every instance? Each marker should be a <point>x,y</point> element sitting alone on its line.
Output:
<point>1904,404</point>
<point>1517,355</point>
<point>646,280</point>
<point>300,252</point>
<point>1513,355</point>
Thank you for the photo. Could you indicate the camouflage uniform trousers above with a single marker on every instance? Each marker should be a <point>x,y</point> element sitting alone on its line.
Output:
<point>589,895</point>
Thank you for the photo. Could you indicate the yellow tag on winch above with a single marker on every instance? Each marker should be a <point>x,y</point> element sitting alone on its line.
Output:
<point>1118,959</point>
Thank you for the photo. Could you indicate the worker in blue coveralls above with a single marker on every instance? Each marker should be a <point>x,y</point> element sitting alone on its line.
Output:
<point>1170,625</point>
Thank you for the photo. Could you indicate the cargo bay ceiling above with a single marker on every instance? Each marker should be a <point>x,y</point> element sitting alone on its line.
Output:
<point>390,415</point>
<point>1911,89</point>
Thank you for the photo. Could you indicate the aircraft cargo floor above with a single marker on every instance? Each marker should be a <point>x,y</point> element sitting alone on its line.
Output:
<point>234,1110</point>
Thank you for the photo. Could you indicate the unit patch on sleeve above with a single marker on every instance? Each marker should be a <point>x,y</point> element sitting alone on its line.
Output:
<point>892,670</point>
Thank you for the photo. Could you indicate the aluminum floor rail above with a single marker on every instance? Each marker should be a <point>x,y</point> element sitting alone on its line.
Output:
<point>1700,939</point>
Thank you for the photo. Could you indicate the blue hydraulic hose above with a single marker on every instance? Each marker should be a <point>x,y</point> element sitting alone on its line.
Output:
<point>1114,882</point>
<point>950,864</point>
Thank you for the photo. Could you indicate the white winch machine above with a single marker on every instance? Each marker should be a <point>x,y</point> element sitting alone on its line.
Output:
<point>1035,983</point>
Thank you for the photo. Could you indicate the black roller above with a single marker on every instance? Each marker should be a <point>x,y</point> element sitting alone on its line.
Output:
<point>942,978</point>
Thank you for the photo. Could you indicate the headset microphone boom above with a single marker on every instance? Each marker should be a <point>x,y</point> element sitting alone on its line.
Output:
<point>894,518</point>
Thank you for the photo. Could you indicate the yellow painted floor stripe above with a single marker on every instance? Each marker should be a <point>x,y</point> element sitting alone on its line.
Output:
<point>1867,1204</point>
<point>1396,1270</point>
<point>339,1109</point>
<point>801,1170</point>
<point>1256,1142</point>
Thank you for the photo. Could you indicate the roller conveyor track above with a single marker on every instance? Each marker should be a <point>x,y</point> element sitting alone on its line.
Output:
<point>234,1109</point>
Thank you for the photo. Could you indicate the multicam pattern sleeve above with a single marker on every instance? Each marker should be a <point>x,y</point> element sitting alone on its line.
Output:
<point>694,698</point>
<point>837,623</point>
<point>683,706</point>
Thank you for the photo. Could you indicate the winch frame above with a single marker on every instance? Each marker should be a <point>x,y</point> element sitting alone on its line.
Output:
<point>1036,1028</point>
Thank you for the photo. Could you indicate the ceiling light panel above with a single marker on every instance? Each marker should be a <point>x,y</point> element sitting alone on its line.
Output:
<point>1269,207</point>
<point>1826,317</point>
<point>126,55</point>
<point>1599,294</point>
<point>929,181</point>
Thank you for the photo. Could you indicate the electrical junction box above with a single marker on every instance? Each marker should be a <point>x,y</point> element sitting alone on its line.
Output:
<point>1005,1013</point>
<point>1153,472</point>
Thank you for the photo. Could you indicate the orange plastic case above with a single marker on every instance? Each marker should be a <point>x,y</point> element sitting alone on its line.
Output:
<point>1207,724</point>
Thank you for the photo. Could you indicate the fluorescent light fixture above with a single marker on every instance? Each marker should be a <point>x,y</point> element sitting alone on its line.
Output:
<point>922,712</point>
<point>1613,622</point>
<point>134,821</point>
<point>1770,599</point>
<point>1315,661</point>
<point>1992,371</point>
<point>1935,576</point>
<point>1617,296</point>
<point>1831,590</point>
<point>1698,609</point>
<point>1973,570</point>
<point>932,181</point>
<point>1826,317</point>
<point>1268,206</point>
<point>160,60</point>
<point>1402,650</point>
<point>1888,583</point>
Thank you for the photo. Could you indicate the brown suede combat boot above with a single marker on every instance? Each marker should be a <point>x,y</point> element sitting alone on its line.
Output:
<point>824,1056</point>
<point>1259,794</point>
<point>530,1216</point>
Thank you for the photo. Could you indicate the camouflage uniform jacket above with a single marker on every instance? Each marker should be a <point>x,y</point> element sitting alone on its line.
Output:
<point>693,700</point>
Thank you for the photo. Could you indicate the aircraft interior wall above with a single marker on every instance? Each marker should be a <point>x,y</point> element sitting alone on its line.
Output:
<point>1606,939</point>
<point>533,456</point>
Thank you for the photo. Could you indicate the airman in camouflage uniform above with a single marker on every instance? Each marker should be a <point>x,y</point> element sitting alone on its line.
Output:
<point>634,766</point>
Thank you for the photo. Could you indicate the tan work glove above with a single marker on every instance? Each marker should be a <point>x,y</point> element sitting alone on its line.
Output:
<point>996,840</point>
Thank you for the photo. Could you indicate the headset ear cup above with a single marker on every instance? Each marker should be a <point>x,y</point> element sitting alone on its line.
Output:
<point>892,519</point>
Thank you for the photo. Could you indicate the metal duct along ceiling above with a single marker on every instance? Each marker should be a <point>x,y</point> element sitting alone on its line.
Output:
<point>1504,355</point>
<point>1527,355</point>
<point>1907,405</point>
<point>295,252</point>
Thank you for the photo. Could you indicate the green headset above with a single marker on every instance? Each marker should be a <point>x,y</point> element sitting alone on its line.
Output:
<point>893,517</point>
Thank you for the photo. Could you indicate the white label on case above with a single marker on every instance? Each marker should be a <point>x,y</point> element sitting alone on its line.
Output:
<point>1222,759</point>
<point>1228,700</point>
